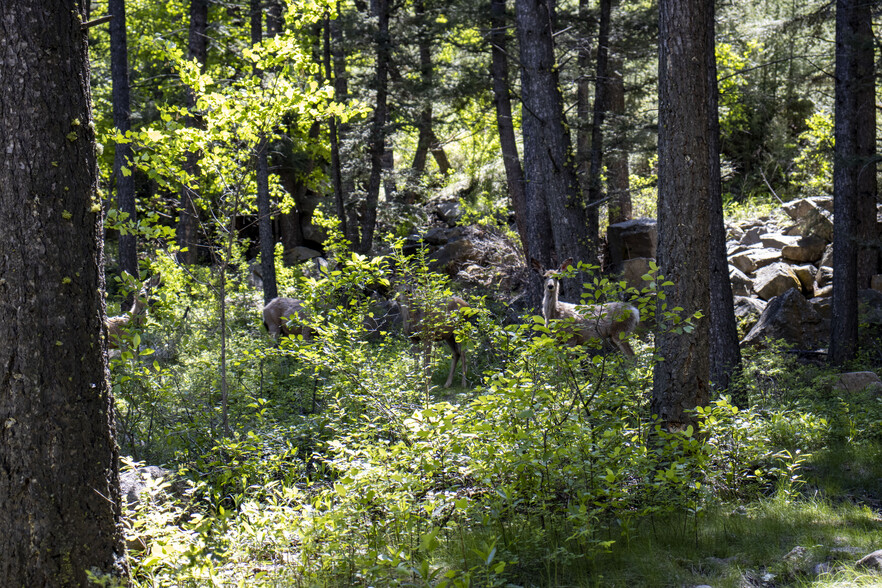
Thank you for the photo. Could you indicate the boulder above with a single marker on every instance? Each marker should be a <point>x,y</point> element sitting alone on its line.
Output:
<point>827,257</point>
<point>805,249</point>
<point>806,275</point>
<point>453,256</point>
<point>872,561</point>
<point>773,280</point>
<point>779,241</point>
<point>857,382</point>
<point>741,284</point>
<point>824,276</point>
<point>818,222</point>
<point>748,310</point>
<point>822,306</point>
<point>753,259</point>
<point>633,271</point>
<point>631,239</point>
<point>752,236</point>
<point>449,211</point>
<point>790,317</point>
<point>300,254</point>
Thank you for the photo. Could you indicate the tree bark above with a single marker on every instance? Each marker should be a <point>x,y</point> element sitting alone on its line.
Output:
<point>264,207</point>
<point>725,351</point>
<point>187,238</point>
<point>59,479</point>
<point>125,182</point>
<point>601,86</point>
<point>556,225</point>
<point>854,172</point>
<point>514,174</point>
<point>380,9</point>
<point>617,170</point>
<point>681,378</point>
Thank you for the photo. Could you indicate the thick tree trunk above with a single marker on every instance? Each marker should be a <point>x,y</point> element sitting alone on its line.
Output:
<point>187,238</point>
<point>556,226</point>
<point>380,9</point>
<point>264,208</point>
<point>725,352</point>
<point>854,172</point>
<point>601,86</point>
<point>514,174</point>
<point>681,378</point>
<point>59,479</point>
<point>617,170</point>
<point>125,182</point>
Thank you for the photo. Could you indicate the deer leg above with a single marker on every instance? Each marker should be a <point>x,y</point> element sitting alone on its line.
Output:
<point>624,346</point>
<point>455,355</point>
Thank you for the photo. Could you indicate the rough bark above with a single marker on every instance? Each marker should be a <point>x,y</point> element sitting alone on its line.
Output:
<point>188,221</point>
<point>725,351</point>
<point>514,174</point>
<point>556,225</point>
<point>264,208</point>
<point>333,132</point>
<point>59,479</point>
<point>380,9</point>
<point>617,169</point>
<point>854,171</point>
<point>681,378</point>
<point>125,182</point>
<point>601,86</point>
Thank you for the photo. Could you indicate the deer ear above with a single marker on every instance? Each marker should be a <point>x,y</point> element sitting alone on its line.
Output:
<point>536,265</point>
<point>566,264</point>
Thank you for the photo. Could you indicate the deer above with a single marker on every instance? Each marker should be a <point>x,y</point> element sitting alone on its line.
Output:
<point>433,324</point>
<point>286,317</point>
<point>118,325</point>
<point>611,321</point>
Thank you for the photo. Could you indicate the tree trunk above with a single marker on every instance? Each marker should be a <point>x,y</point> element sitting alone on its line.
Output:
<point>187,238</point>
<point>59,478</point>
<point>601,85</point>
<point>335,172</point>
<point>125,182</point>
<point>725,351</point>
<point>380,9</point>
<point>681,378</point>
<point>555,212</point>
<point>617,170</point>
<point>264,208</point>
<point>854,172</point>
<point>514,174</point>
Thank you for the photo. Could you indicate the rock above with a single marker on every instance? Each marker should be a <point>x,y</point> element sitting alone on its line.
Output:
<point>824,276</point>
<point>822,306</point>
<point>752,236</point>
<point>453,256</point>
<point>779,241</point>
<point>748,310</point>
<point>790,317</point>
<point>806,275</point>
<point>634,270</point>
<point>857,382</point>
<point>827,257</point>
<point>300,254</point>
<point>774,280</point>
<point>733,232</point>
<point>449,211</point>
<point>437,236</point>
<point>818,222</point>
<point>631,239</point>
<point>806,249</point>
<point>741,284</point>
<point>133,483</point>
<point>751,260</point>
<point>872,561</point>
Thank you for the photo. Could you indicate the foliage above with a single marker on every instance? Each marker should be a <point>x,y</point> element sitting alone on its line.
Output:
<point>814,164</point>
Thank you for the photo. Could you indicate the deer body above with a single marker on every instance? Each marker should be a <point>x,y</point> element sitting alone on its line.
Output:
<point>286,316</point>
<point>611,321</point>
<point>117,325</point>
<point>436,324</point>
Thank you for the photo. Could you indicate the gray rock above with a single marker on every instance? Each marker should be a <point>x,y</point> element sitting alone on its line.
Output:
<point>790,317</point>
<point>741,284</point>
<point>806,275</point>
<point>453,256</point>
<point>872,561</point>
<point>773,280</point>
<point>777,240</point>
<point>805,249</point>
<point>857,382</point>
<point>633,271</point>
<point>631,239</point>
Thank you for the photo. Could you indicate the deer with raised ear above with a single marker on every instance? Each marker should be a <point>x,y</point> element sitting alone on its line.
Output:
<point>118,325</point>
<point>438,322</point>
<point>612,321</point>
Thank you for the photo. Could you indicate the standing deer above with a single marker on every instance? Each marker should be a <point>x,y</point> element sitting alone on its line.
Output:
<point>437,323</point>
<point>117,325</point>
<point>607,322</point>
<point>286,316</point>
